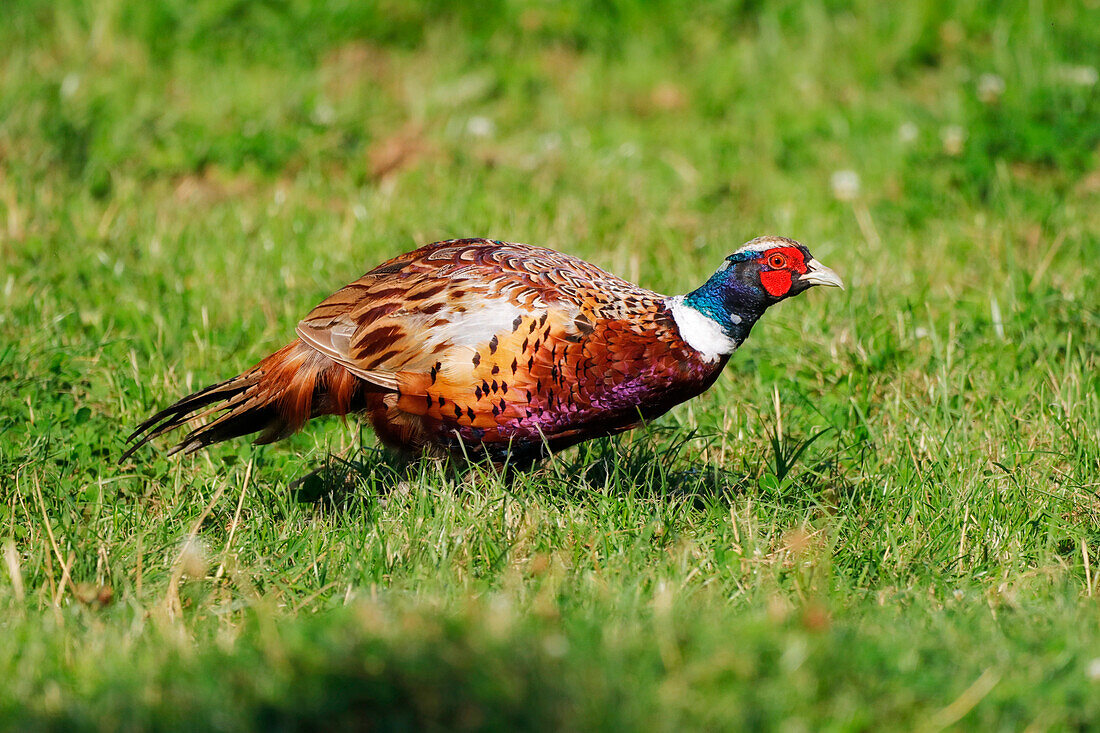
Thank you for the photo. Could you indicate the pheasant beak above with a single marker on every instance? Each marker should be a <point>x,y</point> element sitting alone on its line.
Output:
<point>818,274</point>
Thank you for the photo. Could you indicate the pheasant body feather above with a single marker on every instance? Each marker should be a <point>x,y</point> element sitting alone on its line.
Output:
<point>475,347</point>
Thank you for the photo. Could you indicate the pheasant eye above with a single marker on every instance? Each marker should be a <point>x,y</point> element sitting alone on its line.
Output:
<point>777,261</point>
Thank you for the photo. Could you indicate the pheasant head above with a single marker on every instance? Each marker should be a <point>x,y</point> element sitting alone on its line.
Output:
<point>717,317</point>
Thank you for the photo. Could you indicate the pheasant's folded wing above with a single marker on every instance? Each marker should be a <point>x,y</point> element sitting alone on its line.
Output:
<point>435,308</point>
<point>386,334</point>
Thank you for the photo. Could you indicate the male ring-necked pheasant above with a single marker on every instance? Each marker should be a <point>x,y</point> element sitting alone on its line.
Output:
<point>478,347</point>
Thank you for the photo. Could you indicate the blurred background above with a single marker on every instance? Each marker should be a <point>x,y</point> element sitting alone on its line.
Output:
<point>638,130</point>
<point>182,180</point>
<point>223,165</point>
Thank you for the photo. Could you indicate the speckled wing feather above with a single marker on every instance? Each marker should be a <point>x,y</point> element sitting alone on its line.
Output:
<point>483,343</point>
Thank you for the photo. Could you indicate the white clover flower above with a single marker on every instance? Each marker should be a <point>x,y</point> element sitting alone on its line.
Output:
<point>1082,76</point>
<point>1094,670</point>
<point>550,142</point>
<point>323,114</point>
<point>69,85</point>
<point>953,138</point>
<point>481,127</point>
<point>845,185</point>
<point>990,88</point>
<point>908,133</point>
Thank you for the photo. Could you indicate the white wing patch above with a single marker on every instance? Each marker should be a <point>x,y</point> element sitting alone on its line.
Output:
<point>475,326</point>
<point>461,330</point>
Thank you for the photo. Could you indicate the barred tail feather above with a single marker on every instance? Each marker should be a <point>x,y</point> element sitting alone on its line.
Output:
<point>274,398</point>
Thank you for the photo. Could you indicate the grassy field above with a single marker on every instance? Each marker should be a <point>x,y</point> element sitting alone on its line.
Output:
<point>885,514</point>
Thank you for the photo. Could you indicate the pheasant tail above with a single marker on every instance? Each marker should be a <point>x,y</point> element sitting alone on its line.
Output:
<point>275,398</point>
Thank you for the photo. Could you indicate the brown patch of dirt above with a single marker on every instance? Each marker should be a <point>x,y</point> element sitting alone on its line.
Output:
<point>348,68</point>
<point>397,152</point>
<point>212,185</point>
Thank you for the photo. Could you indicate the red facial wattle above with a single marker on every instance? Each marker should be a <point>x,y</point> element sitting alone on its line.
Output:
<point>776,282</point>
<point>776,267</point>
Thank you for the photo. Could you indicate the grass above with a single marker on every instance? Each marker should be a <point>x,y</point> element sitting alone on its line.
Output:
<point>885,513</point>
